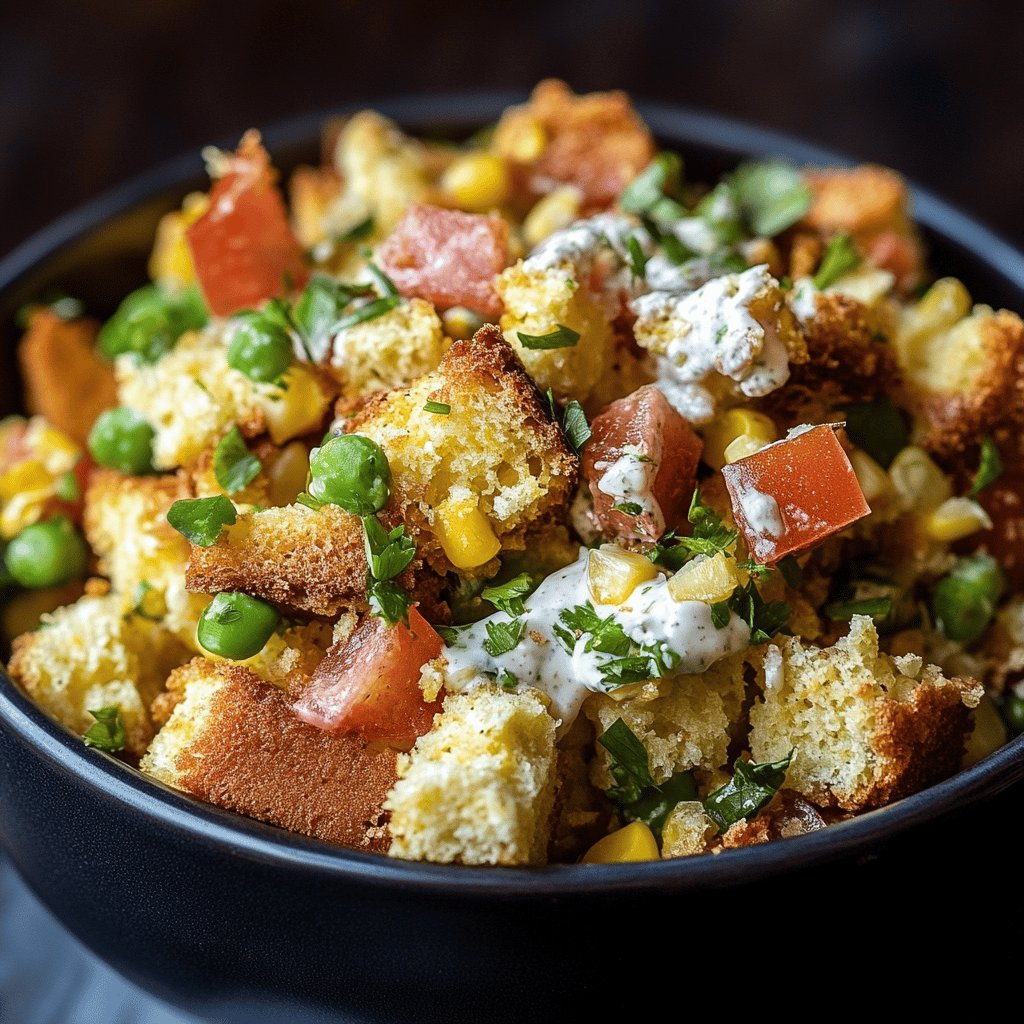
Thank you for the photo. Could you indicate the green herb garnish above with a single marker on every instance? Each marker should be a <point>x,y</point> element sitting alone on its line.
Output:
<point>990,467</point>
<point>629,508</point>
<point>655,191</point>
<point>357,232</point>
<point>234,466</point>
<point>502,637</point>
<point>388,553</point>
<point>771,195</point>
<point>200,520</point>
<point>508,597</point>
<point>840,258</point>
<point>149,322</point>
<point>437,408</point>
<point>637,259</point>
<point>107,732</point>
<point>879,428</point>
<point>560,337</point>
<point>750,788</point>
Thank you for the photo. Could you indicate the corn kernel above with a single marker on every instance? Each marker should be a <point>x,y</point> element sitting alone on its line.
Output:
<point>709,579</point>
<point>557,210</point>
<point>943,305</point>
<point>465,533</point>
<point>873,480</point>
<point>922,487</point>
<point>955,519</point>
<point>613,573</point>
<point>988,734</point>
<point>25,477</point>
<point>287,474</point>
<point>298,409</point>
<point>476,182</point>
<point>635,842</point>
<point>171,262</point>
<point>460,322</point>
<point>54,449</point>
<point>736,425</point>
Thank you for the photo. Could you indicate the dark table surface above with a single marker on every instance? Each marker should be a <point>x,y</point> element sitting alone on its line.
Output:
<point>94,92</point>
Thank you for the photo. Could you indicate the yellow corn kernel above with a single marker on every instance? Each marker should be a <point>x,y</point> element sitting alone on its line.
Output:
<point>955,519</point>
<point>476,182</point>
<point>557,210</point>
<point>24,477</point>
<point>296,410</point>
<point>709,579</point>
<point>922,487</point>
<point>988,733</point>
<point>519,137</point>
<point>52,447</point>
<point>613,574</point>
<point>465,533</point>
<point>287,474</point>
<point>171,262</point>
<point>944,304</point>
<point>632,843</point>
<point>873,480</point>
<point>744,426</point>
<point>460,322</point>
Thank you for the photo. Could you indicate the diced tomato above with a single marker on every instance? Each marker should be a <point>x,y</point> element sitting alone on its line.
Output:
<point>641,437</point>
<point>13,447</point>
<point>899,254</point>
<point>1005,541</point>
<point>447,257</point>
<point>793,494</point>
<point>369,684</point>
<point>243,248</point>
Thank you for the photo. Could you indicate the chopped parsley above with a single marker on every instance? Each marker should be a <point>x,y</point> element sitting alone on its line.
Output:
<point>635,793</point>
<point>840,258</point>
<point>655,192</point>
<point>200,520</point>
<point>710,534</point>
<point>751,787</point>
<point>771,195</point>
<point>560,337</point>
<point>765,618</point>
<point>107,732</point>
<point>437,408</point>
<point>307,499</point>
<point>508,597</point>
<point>503,637</point>
<point>990,467</point>
<point>234,466</point>
<point>508,681</point>
<point>388,554</point>
<point>573,422</point>
<point>637,259</point>
<point>629,508</point>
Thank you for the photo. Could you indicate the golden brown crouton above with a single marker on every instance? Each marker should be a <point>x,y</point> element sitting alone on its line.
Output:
<point>789,814</point>
<point>847,362</point>
<point>234,741</point>
<point>65,378</point>
<point>867,729</point>
<point>595,142</point>
<point>311,191</point>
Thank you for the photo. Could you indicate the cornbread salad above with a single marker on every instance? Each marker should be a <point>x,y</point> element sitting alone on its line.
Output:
<point>524,500</point>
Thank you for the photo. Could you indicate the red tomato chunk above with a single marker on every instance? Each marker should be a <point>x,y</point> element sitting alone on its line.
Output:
<point>243,248</point>
<point>447,257</point>
<point>369,684</point>
<point>662,459</point>
<point>793,494</point>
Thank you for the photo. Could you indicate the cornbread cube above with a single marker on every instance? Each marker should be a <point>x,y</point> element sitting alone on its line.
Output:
<point>687,830</point>
<point>191,397</point>
<point>390,351</point>
<point>537,300</point>
<point>65,378</point>
<point>479,787</point>
<point>685,722</point>
<point>234,741</point>
<point>90,655</point>
<point>596,142</point>
<point>867,728</point>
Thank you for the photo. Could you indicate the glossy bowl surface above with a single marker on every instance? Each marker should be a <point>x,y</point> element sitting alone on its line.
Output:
<point>243,922</point>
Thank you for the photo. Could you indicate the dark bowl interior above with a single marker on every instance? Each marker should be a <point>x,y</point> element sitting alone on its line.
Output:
<point>243,922</point>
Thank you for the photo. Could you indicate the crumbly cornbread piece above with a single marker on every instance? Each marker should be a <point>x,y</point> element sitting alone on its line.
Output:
<point>65,378</point>
<point>234,741</point>
<point>90,655</point>
<point>539,300</point>
<point>867,729</point>
<point>479,787</point>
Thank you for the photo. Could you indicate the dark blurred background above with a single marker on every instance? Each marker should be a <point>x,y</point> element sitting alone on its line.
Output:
<point>93,92</point>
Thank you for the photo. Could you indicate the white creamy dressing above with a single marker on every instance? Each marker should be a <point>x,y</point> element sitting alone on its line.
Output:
<point>803,299</point>
<point>716,333</point>
<point>763,518</point>
<point>630,478</point>
<point>649,617</point>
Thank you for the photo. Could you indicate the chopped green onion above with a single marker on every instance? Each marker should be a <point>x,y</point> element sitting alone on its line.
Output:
<point>438,408</point>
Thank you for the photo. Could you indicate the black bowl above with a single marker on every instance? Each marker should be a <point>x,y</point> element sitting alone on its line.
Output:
<point>244,922</point>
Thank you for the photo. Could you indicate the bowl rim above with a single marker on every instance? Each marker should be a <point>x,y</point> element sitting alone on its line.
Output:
<point>236,835</point>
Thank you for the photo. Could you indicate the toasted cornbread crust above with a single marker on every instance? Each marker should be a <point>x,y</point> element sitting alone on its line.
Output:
<point>236,743</point>
<point>64,376</point>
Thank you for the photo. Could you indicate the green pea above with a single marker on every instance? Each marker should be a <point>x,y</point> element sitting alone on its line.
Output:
<point>123,440</point>
<point>149,322</point>
<point>351,471</point>
<point>46,554</point>
<point>1013,713</point>
<point>965,600</point>
<point>260,348</point>
<point>236,626</point>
